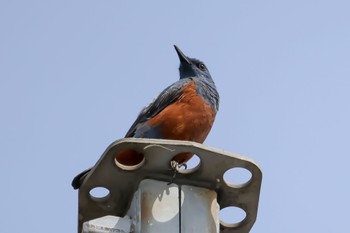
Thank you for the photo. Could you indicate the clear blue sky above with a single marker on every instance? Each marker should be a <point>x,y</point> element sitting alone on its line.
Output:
<point>75,74</point>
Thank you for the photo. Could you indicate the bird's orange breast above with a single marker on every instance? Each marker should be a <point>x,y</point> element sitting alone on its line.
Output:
<point>188,118</point>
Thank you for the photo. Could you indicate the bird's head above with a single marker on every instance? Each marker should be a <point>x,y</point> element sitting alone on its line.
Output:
<point>191,67</point>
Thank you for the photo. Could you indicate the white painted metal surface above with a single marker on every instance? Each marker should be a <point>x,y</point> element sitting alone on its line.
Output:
<point>108,224</point>
<point>156,208</point>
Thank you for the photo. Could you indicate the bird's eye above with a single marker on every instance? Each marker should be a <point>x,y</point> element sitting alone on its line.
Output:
<point>202,66</point>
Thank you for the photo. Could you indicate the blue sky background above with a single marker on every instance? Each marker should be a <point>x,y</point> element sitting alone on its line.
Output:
<point>75,74</point>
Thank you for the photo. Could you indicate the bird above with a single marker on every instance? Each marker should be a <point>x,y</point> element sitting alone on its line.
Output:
<point>185,110</point>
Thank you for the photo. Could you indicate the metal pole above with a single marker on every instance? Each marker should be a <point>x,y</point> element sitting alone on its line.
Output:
<point>140,199</point>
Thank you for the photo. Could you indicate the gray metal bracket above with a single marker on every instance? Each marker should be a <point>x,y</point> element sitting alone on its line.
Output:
<point>123,182</point>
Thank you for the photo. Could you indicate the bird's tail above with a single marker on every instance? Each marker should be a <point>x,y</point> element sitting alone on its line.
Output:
<point>78,180</point>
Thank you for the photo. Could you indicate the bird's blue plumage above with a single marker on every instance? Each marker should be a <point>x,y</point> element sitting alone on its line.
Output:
<point>139,128</point>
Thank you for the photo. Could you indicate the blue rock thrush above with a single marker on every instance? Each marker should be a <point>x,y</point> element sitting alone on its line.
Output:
<point>183,111</point>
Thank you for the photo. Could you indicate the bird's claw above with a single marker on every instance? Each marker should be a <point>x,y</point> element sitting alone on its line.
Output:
<point>175,167</point>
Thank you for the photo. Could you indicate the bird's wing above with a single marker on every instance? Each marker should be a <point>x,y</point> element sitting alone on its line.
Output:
<point>165,98</point>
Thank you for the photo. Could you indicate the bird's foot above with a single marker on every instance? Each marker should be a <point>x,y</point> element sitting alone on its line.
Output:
<point>175,167</point>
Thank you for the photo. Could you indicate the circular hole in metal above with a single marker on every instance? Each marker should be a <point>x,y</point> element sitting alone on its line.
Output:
<point>237,176</point>
<point>99,193</point>
<point>231,216</point>
<point>129,159</point>
<point>189,166</point>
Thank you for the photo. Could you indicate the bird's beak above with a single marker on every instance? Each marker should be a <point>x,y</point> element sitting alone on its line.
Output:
<point>182,56</point>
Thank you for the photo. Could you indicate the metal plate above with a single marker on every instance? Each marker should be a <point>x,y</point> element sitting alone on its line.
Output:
<point>157,157</point>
